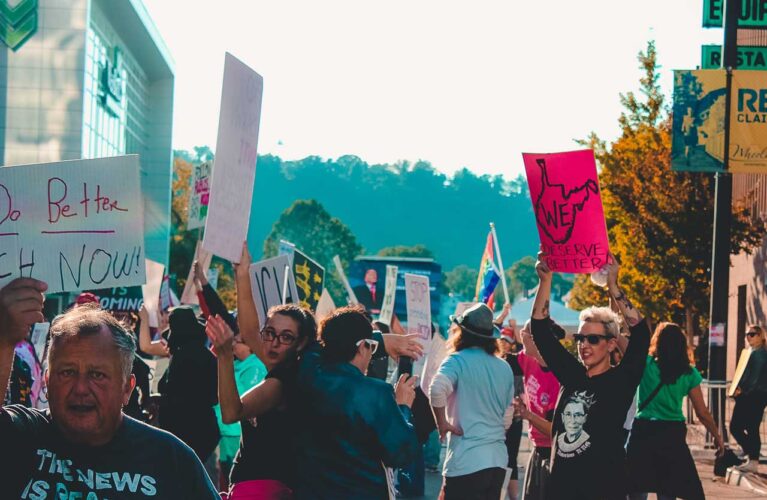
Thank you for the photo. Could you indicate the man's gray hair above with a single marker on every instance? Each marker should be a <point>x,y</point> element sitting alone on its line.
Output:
<point>604,315</point>
<point>88,319</point>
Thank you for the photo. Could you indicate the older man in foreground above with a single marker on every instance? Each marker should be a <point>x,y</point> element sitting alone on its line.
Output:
<point>84,446</point>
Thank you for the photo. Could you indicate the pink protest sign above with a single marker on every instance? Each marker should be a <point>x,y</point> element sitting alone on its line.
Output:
<point>564,189</point>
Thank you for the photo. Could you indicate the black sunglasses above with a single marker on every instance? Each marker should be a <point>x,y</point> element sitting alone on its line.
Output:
<point>592,339</point>
<point>753,334</point>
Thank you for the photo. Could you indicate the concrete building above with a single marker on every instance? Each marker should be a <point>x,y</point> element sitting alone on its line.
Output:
<point>88,79</point>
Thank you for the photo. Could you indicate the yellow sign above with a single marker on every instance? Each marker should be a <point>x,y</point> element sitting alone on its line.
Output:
<point>748,122</point>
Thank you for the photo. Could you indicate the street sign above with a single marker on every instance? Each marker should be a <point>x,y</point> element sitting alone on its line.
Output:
<point>753,14</point>
<point>748,57</point>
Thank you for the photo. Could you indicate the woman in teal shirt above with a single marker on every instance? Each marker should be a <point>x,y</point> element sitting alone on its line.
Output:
<point>658,457</point>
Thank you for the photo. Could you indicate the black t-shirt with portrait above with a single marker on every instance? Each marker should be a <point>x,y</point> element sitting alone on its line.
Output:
<point>587,454</point>
<point>140,462</point>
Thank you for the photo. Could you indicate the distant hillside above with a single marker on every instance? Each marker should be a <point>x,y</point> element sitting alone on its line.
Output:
<point>402,204</point>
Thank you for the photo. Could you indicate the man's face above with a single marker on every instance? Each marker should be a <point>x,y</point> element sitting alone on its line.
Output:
<point>371,277</point>
<point>573,417</point>
<point>86,388</point>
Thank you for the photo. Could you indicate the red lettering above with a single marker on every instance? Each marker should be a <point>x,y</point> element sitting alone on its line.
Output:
<point>62,209</point>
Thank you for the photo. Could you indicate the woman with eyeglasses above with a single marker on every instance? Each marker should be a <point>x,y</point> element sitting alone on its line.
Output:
<point>266,459</point>
<point>658,457</point>
<point>588,458</point>
<point>751,399</point>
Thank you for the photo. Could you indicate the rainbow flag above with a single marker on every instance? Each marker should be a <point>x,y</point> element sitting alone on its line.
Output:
<point>488,275</point>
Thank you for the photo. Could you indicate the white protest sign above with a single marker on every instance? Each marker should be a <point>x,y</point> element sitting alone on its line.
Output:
<point>189,295</point>
<point>39,337</point>
<point>435,353</point>
<point>154,274</point>
<point>266,282</point>
<point>387,306</point>
<point>234,169</point>
<point>77,225</point>
<point>349,292</point>
<point>287,248</point>
<point>418,305</point>
<point>325,306</point>
<point>199,195</point>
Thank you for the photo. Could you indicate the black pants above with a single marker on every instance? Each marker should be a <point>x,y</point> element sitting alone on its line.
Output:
<point>485,484</point>
<point>513,438</point>
<point>537,474</point>
<point>746,418</point>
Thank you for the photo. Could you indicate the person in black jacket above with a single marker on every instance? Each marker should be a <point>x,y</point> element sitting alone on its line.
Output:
<point>188,387</point>
<point>588,456</point>
<point>751,400</point>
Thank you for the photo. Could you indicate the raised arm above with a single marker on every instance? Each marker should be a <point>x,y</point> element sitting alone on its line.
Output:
<point>21,306</point>
<point>212,299</point>
<point>145,342</point>
<point>565,367</point>
<point>255,402</point>
<point>502,315</point>
<point>247,316</point>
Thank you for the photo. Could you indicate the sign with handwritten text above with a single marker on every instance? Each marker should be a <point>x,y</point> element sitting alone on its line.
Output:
<point>564,189</point>
<point>234,171</point>
<point>418,305</point>
<point>77,225</point>
<point>267,283</point>
<point>199,195</point>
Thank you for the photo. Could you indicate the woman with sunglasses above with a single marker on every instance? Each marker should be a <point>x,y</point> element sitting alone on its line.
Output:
<point>658,457</point>
<point>588,458</point>
<point>751,399</point>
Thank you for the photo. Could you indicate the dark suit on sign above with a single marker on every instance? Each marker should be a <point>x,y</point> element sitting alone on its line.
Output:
<point>365,297</point>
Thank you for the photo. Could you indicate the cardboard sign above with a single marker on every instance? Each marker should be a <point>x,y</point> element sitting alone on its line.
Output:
<point>387,306</point>
<point>435,353</point>
<point>77,225</point>
<point>154,277</point>
<point>564,189</point>
<point>39,338</point>
<point>325,305</point>
<point>199,195</point>
<point>697,130</point>
<point>120,299</point>
<point>740,369</point>
<point>418,305</point>
<point>748,123</point>
<point>342,275</point>
<point>310,278</point>
<point>266,280</point>
<point>189,295</point>
<point>234,171</point>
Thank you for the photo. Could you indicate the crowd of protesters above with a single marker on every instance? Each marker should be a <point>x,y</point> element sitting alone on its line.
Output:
<point>298,407</point>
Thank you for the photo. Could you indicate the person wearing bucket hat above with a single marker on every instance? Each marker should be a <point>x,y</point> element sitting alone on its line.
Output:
<point>188,387</point>
<point>471,396</point>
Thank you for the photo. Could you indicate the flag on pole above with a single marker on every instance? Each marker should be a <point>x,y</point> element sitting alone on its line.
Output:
<point>488,275</point>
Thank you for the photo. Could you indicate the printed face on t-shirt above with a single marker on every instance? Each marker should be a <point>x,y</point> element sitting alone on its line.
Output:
<point>87,388</point>
<point>573,419</point>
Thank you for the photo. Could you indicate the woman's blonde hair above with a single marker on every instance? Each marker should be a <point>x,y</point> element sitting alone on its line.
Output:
<point>604,315</point>
<point>762,332</point>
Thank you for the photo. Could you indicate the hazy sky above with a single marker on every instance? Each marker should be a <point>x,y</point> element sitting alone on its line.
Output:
<point>470,83</point>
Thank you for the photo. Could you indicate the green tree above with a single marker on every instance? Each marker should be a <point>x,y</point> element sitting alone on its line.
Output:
<point>419,251</point>
<point>315,232</point>
<point>461,281</point>
<point>522,277</point>
<point>660,222</point>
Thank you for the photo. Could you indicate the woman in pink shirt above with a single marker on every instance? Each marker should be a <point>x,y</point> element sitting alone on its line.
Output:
<point>541,391</point>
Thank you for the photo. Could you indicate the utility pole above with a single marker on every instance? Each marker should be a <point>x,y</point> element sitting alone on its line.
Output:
<point>720,258</point>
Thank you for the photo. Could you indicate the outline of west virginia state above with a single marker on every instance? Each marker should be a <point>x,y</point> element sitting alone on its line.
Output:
<point>544,218</point>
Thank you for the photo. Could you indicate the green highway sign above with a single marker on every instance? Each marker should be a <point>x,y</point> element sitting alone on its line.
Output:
<point>748,57</point>
<point>753,14</point>
<point>17,23</point>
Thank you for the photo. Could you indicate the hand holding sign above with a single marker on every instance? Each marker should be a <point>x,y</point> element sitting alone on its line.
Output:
<point>564,189</point>
<point>21,306</point>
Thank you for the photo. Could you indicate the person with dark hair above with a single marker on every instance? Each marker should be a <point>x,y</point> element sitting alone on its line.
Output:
<point>751,399</point>
<point>84,446</point>
<point>659,460</point>
<point>588,455</point>
<point>188,386</point>
<point>471,396</point>
<point>353,426</point>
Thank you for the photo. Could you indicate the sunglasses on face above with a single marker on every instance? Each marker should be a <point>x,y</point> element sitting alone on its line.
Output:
<point>592,339</point>
<point>370,343</point>
<point>269,334</point>
<point>753,334</point>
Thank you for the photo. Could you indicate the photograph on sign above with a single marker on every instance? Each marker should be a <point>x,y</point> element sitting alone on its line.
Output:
<point>418,305</point>
<point>697,135</point>
<point>199,195</point>
<point>267,280</point>
<point>234,171</point>
<point>564,189</point>
<point>748,122</point>
<point>77,225</point>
